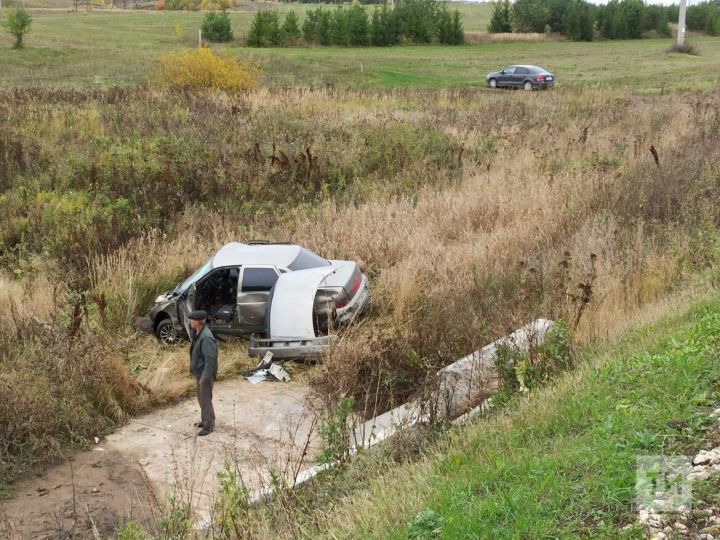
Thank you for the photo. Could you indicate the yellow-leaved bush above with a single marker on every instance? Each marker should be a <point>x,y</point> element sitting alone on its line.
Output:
<point>202,69</point>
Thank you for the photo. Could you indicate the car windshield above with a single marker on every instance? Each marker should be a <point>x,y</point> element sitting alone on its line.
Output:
<point>200,272</point>
<point>307,259</point>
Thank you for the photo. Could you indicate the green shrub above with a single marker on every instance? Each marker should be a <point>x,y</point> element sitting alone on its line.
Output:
<point>523,371</point>
<point>216,27</point>
<point>17,22</point>
<point>334,431</point>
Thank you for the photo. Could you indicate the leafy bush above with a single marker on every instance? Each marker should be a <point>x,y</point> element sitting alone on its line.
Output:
<point>334,431</point>
<point>216,27</point>
<point>202,69</point>
<point>17,22</point>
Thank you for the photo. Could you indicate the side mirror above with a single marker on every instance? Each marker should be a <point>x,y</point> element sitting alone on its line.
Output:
<point>502,72</point>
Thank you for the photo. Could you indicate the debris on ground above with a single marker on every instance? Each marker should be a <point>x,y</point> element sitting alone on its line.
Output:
<point>699,520</point>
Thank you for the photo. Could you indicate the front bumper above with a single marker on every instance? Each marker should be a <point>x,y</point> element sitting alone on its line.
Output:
<point>287,348</point>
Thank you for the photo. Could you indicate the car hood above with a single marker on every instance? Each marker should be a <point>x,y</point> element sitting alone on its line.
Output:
<point>493,74</point>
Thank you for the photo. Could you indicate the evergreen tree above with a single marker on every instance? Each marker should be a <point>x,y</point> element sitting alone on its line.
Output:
<point>458,32</point>
<point>291,27</point>
<point>310,25</point>
<point>578,23</point>
<point>663,26</point>
<point>265,30</point>
<point>340,34</point>
<point>325,22</point>
<point>443,26</point>
<point>530,16</point>
<point>377,32</point>
<point>216,27</point>
<point>358,26</point>
<point>632,15</point>
<point>500,21</point>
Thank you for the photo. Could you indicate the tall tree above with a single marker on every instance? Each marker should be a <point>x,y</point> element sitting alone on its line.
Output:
<point>500,21</point>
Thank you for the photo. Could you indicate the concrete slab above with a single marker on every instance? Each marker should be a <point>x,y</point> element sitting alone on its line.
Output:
<point>158,455</point>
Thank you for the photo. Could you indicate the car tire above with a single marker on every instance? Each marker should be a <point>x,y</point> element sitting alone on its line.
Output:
<point>167,334</point>
<point>493,83</point>
<point>528,87</point>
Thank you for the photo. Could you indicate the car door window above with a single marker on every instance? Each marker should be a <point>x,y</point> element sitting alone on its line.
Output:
<point>521,71</point>
<point>509,70</point>
<point>258,279</point>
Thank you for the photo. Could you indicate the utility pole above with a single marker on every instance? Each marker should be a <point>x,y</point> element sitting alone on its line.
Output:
<point>681,23</point>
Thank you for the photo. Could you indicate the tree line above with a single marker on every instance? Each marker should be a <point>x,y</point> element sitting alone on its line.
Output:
<point>579,20</point>
<point>704,17</point>
<point>410,21</point>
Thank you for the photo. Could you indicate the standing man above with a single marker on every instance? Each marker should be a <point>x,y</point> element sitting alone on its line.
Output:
<point>204,367</point>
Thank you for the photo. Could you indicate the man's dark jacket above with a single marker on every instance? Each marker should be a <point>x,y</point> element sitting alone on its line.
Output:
<point>204,355</point>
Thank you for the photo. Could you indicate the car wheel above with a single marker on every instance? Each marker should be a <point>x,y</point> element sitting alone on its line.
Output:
<point>528,86</point>
<point>167,334</point>
<point>493,83</point>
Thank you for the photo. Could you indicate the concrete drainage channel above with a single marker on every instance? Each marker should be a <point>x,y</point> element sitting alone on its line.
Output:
<point>459,386</point>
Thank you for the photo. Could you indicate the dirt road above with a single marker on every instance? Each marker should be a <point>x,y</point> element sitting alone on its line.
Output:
<point>134,471</point>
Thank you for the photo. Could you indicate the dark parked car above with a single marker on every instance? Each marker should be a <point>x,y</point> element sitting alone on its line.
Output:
<point>526,77</point>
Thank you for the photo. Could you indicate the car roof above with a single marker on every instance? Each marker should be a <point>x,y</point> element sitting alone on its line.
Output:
<point>528,66</point>
<point>237,254</point>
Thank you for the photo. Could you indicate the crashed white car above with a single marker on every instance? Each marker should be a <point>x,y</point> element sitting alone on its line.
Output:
<point>284,296</point>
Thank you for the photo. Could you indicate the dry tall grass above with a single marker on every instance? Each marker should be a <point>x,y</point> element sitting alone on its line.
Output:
<point>471,212</point>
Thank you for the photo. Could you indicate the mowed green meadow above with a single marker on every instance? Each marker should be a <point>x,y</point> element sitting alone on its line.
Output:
<point>116,47</point>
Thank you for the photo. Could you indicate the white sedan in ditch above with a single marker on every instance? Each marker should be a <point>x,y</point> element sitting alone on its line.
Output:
<point>284,296</point>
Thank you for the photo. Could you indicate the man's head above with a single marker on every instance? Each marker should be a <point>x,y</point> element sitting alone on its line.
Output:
<point>197,319</point>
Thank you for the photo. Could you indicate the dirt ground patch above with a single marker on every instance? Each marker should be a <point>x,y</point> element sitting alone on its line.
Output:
<point>156,456</point>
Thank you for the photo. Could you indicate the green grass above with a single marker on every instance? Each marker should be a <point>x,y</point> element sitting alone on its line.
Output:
<point>561,463</point>
<point>115,48</point>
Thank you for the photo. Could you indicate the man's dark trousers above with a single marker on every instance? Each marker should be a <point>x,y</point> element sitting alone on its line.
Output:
<point>204,367</point>
<point>204,396</point>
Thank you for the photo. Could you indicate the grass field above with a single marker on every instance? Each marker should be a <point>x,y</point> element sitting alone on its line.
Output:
<point>116,48</point>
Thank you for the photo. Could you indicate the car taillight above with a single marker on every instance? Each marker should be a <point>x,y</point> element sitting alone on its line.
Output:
<point>353,291</point>
<point>355,286</point>
<point>540,78</point>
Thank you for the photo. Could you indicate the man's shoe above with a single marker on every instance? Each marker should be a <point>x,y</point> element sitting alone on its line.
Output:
<point>204,431</point>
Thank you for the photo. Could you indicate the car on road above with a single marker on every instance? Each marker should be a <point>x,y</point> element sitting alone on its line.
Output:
<point>521,76</point>
<point>285,296</point>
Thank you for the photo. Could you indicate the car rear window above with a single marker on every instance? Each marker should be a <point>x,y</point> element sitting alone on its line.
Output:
<point>258,279</point>
<point>307,259</point>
